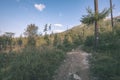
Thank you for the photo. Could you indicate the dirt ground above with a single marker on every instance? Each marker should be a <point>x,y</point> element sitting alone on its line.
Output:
<point>74,67</point>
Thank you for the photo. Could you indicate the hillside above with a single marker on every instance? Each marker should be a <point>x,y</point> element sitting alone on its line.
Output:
<point>104,65</point>
<point>38,57</point>
<point>39,42</point>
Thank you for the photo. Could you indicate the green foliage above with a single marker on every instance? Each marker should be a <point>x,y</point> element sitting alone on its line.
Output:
<point>91,16</point>
<point>46,38</point>
<point>30,64</point>
<point>31,30</point>
<point>56,39</point>
<point>77,40</point>
<point>9,34</point>
<point>34,63</point>
<point>89,41</point>
<point>6,41</point>
<point>105,65</point>
<point>47,28</point>
<point>31,41</point>
<point>67,45</point>
<point>20,42</point>
<point>31,33</point>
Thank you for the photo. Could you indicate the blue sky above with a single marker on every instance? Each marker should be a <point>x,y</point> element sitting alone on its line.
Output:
<point>15,15</point>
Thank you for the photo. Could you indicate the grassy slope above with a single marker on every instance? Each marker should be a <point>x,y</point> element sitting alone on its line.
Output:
<point>104,64</point>
<point>30,64</point>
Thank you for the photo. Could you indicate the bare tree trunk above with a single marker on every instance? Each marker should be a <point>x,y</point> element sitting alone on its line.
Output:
<point>112,24</point>
<point>96,24</point>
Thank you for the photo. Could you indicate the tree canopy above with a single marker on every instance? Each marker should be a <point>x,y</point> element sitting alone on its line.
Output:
<point>31,30</point>
<point>91,16</point>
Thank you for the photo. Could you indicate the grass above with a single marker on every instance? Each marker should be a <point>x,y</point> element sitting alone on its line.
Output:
<point>30,64</point>
<point>105,65</point>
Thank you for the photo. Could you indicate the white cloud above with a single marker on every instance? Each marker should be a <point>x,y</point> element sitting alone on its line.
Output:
<point>39,7</point>
<point>58,31</point>
<point>58,25</point>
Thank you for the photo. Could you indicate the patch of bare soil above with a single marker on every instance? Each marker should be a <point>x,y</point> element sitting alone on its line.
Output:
<point>74,67</point>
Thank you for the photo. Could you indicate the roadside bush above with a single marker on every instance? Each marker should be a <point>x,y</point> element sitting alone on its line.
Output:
<point>105,65</point>
<point>89,41</point>
<point>32,64</point>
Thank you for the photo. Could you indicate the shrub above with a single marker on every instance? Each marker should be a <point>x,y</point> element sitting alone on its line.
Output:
<point>105,65</point>
<point>89,41</point>
<point>32,64</point>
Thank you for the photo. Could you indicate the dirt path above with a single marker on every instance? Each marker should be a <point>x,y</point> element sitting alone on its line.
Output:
<point>75,67</point>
